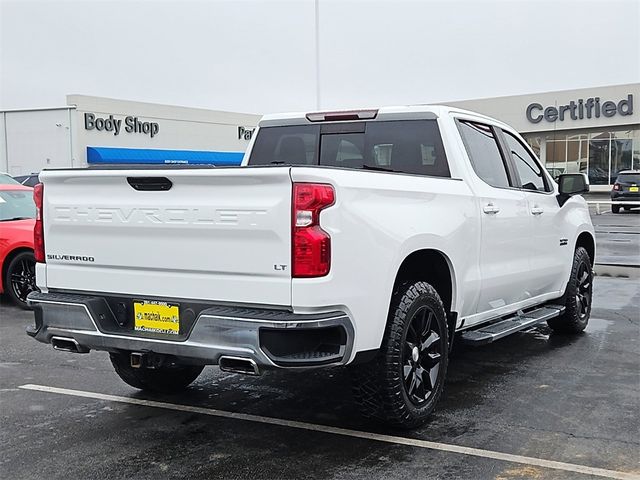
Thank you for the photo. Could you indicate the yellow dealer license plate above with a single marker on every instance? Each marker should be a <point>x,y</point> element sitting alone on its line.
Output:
<point>156,317</point>
<point>633,189</point>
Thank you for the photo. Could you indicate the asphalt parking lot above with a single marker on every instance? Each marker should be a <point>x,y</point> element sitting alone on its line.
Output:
<point>617,237</point>
<point>537,397</point>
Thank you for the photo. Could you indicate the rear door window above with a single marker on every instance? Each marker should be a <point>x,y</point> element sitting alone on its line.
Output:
<point>407,146</point>
<point>484,153</point>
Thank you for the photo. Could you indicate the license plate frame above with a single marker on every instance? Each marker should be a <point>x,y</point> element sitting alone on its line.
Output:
<point>156,317</point>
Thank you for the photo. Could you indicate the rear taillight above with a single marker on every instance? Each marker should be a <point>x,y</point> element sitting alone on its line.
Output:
<point>616,186</point>
<point>311,246</point>
<point>38,229</point>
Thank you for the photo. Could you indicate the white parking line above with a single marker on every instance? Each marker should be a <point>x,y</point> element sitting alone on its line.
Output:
<point>444,447</point>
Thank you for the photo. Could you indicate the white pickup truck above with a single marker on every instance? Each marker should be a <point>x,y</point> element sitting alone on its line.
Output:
<point>365,238</point>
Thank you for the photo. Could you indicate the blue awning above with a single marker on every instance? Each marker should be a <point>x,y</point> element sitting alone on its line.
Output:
<point>110,155</point>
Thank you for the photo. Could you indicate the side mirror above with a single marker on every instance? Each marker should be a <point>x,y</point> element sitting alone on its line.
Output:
<point>570,184</point>
<point>573,184</point>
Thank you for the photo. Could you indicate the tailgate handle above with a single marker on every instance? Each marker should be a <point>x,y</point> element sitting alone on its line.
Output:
<point>150,184</point>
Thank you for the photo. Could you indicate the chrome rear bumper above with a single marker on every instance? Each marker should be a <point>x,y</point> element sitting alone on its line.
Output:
<point>270,338</point>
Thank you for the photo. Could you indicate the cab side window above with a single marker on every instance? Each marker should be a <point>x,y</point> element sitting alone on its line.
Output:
<point>484,153</point>
<point>531,175</point>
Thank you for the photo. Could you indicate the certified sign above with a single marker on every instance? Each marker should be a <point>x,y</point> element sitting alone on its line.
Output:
<point>580,109</point>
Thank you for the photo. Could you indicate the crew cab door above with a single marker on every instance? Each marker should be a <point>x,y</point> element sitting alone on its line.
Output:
<point>551,251</point>
<point>505,221</point>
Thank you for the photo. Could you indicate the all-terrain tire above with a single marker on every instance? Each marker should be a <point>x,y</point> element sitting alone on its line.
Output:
<point>380,386</point>
<point>165,379</point>
<point>578,297</point>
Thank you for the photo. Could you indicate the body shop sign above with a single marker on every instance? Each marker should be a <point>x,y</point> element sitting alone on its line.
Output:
<point>129,124</point>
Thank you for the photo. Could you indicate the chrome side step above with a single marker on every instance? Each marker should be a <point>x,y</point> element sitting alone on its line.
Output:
<point>494,331</point>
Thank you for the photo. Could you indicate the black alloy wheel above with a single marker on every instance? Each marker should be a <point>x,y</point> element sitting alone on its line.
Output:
<point>402,384</point>
<point>578,296</point>
<point>421,356</point>
<point>584,290</point>
<point>21,278</point>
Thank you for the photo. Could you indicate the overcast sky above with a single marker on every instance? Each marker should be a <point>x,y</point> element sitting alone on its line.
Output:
<point>260,56</point>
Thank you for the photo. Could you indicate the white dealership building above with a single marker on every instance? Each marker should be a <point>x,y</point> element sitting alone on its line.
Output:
<point>591,130</point>
<point>95,130</point>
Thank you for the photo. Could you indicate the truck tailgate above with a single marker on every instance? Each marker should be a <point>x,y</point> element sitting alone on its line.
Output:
<point>216,234</point>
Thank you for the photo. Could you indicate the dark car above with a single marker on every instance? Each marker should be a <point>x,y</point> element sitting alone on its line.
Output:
<point>626,189</point>
<point>27,180</point>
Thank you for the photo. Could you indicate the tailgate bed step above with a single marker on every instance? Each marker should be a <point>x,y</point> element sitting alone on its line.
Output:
<point>519,321</point>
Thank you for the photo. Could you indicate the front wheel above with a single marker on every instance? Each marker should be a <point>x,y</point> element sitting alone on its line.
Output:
<point>20,280</point>
<point>164,379</point>
<point>402,385</point>
<point>578,296</point>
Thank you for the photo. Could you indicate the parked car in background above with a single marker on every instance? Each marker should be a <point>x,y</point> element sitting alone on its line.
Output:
<point>17,263</point>
<point>6,179</point>
<point>626,189</point>
<point>27,180</point>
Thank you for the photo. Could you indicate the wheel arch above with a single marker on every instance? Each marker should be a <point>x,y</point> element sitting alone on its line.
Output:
<point>586,240</point>
<point>7,261</point>
<point>434,267</point>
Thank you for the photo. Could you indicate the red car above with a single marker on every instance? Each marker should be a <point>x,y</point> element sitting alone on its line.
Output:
<point>17,263</point>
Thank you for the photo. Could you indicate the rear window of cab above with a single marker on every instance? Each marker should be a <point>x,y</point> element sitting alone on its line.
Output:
<point>402,146</point>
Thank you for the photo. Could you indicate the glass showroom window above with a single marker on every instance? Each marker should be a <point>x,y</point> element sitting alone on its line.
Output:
<point>556,156</point>
<point>552,152</point>
<point>577,153</point>
<point>601,155</point>
<point>609,153</point>
<point>635,161</point>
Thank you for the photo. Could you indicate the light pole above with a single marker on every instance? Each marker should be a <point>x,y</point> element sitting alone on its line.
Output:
<point>317,32</point>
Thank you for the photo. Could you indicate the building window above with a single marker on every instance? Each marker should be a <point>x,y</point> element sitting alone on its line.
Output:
<point>601,155</point>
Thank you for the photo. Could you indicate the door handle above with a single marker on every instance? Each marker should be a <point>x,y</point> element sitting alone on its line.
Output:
<point>490,208</point>
<point>537,210</point>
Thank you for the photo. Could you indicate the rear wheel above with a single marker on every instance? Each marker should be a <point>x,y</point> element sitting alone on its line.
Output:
<point>20,279</point>
<point>578,296</point>
<point>615,208</point>
<point>402,385</point>
<point>165,379</point>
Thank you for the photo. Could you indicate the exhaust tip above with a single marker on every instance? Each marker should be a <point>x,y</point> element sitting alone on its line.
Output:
<point>67,344</point>
<point>246,366</point>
